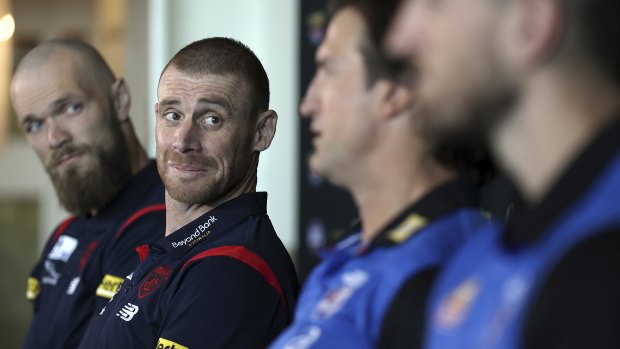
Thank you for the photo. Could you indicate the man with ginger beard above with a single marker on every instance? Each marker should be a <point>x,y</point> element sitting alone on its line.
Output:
<point>221,277</point>
<point>75,115</point>
<point>540,80</point>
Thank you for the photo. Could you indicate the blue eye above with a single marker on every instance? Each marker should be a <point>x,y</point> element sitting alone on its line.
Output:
<point>33,126</point>
<point>73,108</point>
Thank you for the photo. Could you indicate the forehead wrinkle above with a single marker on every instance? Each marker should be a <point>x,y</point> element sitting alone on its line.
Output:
<point>202,89</point>
<point>32,88</point>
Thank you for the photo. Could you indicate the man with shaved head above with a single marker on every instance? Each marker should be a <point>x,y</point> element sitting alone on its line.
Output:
<point>75,114</point>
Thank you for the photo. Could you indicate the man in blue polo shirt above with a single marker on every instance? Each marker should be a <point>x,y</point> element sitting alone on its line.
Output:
<point>220,278</point>
<point>75,114</point>
<point>541,80</point>
<point>370,290</point>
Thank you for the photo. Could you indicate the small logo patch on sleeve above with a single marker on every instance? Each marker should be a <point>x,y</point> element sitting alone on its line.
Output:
<point>109,285</point>
<point>33,289</point>
<point>163,343</point>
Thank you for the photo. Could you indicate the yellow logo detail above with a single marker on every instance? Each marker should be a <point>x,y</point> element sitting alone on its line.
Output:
<point>33,289</point>
<point>109,285</point>
<point>411,225</point>
<point>163,343</point>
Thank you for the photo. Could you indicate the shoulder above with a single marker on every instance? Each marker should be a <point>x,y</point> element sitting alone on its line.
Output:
<point>578,300</point>
<point>233,266</point>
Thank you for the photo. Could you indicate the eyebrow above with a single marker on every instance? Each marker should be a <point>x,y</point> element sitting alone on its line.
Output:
<point>220,101</point>
<point>56,106</point>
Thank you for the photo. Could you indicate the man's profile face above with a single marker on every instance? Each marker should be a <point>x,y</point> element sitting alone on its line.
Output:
<point>204,135</point>
<point>338,101</point>
<point>464,86</point>
<point>71,124</point>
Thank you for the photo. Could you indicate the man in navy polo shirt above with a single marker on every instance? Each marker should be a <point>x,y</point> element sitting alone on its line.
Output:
<point>75,114</point>
<point>541,80</point>
<point>370,290</point>
<point>220,278</point>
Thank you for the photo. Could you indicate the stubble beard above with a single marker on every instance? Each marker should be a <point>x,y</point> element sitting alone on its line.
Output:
<point>466,120</point>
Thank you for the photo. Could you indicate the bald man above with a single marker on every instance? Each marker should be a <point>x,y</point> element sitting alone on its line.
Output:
<point>75,115</point>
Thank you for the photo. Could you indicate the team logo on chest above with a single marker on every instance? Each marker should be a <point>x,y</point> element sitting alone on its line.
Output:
<point>154,280</point>
<point>454,308</point>
<point>335,299</point>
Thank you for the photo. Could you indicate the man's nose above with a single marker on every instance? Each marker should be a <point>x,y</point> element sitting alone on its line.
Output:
<point>57,135</point>
<point>187,137</point>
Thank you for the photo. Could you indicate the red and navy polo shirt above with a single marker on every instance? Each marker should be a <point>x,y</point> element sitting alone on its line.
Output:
<point>86,259</point>
<point>224,280</point>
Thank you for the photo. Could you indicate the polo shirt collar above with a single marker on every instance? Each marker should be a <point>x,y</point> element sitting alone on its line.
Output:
<point>527,224</point>
<point>214,222</point>
<point>443,200</point>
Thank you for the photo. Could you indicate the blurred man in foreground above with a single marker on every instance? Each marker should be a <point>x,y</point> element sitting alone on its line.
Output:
<point>75,115</point>
<point>220,278</point>
<point>541,81</point>
<point>370,291</point>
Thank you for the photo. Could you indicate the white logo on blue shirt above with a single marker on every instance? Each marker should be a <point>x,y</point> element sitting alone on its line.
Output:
<point>305,339</point>
<point>335,299</point>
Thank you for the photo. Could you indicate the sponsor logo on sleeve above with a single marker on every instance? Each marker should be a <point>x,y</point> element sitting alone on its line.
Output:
<point>109,286</point>
<point>63,249</point>
<point>164,343</point>
<point>154,280</point>
<point>128,311</point>
<point>200,233</point>
<point>33,289</point>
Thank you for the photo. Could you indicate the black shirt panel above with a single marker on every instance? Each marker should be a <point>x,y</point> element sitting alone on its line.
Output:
<point>404,322</point>
<point>578,305</point>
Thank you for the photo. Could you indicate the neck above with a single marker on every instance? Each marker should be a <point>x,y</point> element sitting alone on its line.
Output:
<point>178,213</point>
<point>137,155</point>
<point>557,118</point>
<point>395,177</point>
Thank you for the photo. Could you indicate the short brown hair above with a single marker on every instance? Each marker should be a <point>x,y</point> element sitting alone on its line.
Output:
<point>223,56</point>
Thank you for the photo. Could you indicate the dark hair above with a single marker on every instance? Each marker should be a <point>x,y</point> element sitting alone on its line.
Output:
<point>599,28</point>
<point>462,157</point>
<point>377,15</point>
<point>222,56</point>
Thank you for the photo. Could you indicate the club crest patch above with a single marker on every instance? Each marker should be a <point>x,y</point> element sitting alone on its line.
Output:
<point>454,308</point>
<point>154,280</point>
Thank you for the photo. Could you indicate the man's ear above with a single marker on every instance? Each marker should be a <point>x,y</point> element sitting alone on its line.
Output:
<point>395,98</point>
<point>539,29</point>
<point>122,99</point>
<point>265,130</point>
